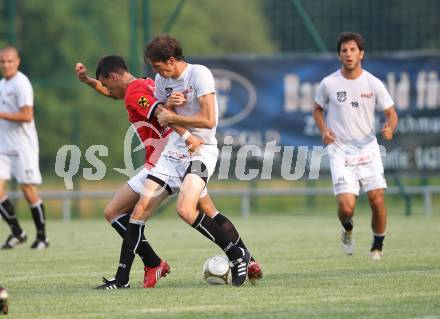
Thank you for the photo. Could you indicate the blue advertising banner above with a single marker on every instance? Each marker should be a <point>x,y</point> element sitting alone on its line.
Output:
<point>262,99</point>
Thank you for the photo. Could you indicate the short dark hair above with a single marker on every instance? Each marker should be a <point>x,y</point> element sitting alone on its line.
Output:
<point>10,48</point>
<point>350,36</point>
<point>109,64</point>
<point>162,48</point>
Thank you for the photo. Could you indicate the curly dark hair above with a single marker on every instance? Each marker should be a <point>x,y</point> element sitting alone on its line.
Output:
<point>162,48</point>
<point>350,36</point>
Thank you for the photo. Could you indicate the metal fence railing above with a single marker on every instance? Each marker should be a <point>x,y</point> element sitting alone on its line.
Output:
<point>245,195</point>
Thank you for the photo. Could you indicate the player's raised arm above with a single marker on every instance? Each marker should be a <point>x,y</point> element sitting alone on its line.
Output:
<point>81,73</point>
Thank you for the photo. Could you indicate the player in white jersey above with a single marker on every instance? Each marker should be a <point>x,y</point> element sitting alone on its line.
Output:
<point>118,211</point>
<point>196,109</point>
<point>19,149</point>
<point>349,97</point>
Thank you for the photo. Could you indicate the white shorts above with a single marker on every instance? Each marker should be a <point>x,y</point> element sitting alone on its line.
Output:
<point>352,168</point>
<point>174,161</point>
<point>137,182</point>
<point>23,166</point>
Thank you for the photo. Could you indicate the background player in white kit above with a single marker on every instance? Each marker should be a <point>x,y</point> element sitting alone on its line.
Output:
<point>19,149</point>
<point>195,103</point>
<point>350,97</point>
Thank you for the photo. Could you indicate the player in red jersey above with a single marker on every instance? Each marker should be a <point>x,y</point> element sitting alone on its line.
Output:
<point>139,101</point>
<point>141,106</point>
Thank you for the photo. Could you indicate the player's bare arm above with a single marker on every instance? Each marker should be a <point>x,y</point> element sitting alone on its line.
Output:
<point>390,125</point>
<point>327,135</point>
<point>81,73</point>
<point>26,114</point>
<point>191,141</point>
<point>204,119</point>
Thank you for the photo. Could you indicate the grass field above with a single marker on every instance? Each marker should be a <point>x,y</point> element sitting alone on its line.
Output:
<point>305,273</point>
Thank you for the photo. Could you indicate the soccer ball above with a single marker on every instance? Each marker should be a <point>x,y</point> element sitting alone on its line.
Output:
<point>216,271</point>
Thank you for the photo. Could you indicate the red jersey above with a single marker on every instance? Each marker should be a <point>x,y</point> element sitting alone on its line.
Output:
<point>141,105</point>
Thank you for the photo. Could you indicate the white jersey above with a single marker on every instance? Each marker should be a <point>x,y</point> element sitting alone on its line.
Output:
<point>195,81</point>
<point>350,106</point>
<point>16,93</point>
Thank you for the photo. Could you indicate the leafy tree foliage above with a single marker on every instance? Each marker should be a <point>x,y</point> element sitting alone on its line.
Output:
<point>53,35</point>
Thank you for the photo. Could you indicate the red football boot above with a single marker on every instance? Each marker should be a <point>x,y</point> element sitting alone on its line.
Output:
<point>153,274</point>
<point>254,272</point>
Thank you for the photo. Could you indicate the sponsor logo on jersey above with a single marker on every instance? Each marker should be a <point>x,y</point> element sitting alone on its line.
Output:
<point>143,102</point>
<point>188,90</point>
<point>175,155</point>
<point>367,95</point>
<point>341,96</point>
<point>168,92</point>
<point>359,160</point>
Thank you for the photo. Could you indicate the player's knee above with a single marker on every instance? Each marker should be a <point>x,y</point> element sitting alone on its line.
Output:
<point>346,209</point>
<point>377,201</point>
<point>185,213</point>
<point>142,211</point>
<point>30,193</point>
<point>109,213</point>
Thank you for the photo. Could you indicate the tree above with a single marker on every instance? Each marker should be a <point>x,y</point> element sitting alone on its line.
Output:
<point>53,35</point>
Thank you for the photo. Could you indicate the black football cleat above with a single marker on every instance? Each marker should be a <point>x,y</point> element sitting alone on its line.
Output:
<point>112,284</point>
<point>239,268</point>
<point>14,240</point>
<point>40,244</point>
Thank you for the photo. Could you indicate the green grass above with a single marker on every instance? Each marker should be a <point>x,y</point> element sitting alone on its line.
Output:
<point>305,273</point>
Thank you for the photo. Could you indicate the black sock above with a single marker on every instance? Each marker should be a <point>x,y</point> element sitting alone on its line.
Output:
<point>129,247</point>
<point>145,251</point>
<point>211,230</point>
<point>231,231</point>
<point>377,242</point>
<point>120,224</point>
<point>348,226</point>
<point>8,213</point>
<point>39,218</point>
